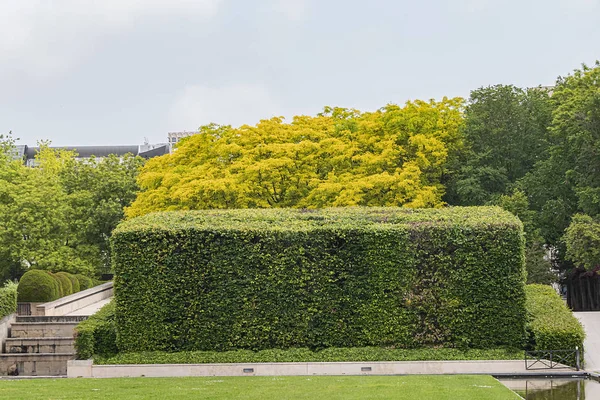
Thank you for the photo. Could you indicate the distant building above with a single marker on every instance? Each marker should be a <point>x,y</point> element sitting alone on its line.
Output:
<point>27,154</point>
<point>174,137</point>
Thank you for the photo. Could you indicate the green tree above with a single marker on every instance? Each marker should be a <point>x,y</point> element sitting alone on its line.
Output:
<point>58,215</point>
<point>539,267</point>
<point>97,190</point>
<point>568,182</point>
<point>505,133</point>
<point>394,156</point>
<point>582,239</point>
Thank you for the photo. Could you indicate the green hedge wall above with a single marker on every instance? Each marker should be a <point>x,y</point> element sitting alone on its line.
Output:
<point>8,299</point>
<point>97,334</point>
<point>551,324</point>
<point>353,277</point>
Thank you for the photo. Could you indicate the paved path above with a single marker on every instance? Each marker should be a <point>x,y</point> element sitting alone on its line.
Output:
<point>92,308</point>
<point>591,324</point>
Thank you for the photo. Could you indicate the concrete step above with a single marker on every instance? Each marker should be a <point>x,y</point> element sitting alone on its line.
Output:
<point>42,329</point>
<point>62,318</point>
<point>35,364</point>
<point>40,345</point>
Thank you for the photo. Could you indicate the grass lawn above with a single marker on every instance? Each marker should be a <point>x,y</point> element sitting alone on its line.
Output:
<point>463,387</point>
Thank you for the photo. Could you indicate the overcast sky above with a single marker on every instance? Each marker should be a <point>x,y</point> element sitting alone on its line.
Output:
<point>83,72</point>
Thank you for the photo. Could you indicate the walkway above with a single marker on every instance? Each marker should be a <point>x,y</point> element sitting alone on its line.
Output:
<point>591,323</point>
<point>92,308</point>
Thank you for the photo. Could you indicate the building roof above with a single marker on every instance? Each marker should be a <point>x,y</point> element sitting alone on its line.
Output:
<point>145,151</point>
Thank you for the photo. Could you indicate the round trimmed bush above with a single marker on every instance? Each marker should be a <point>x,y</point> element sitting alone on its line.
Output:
<point>74,282</point>
<point>58,286</point>
<point>37,286</point>
<point>65,283</point>
<point>84,282</point>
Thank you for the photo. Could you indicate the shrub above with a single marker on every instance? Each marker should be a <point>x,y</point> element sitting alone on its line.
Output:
<point>57,285</point>
<point>97,334</point>
<point>306,355</point>
<point>74,282</point>
<point>84,282</point>
<point>37,286</point>
<point>8,299</point>
<point>355,277</point>
<point>551,325</point>
<point>65,283</point>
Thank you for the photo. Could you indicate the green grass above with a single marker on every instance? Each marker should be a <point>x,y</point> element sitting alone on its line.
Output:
<point>305,355</point>
<point>442,387</point>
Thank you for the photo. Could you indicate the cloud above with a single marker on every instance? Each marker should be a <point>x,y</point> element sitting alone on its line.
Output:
<point>474,6</point>
<point>40,38</point>
<point>227,105</point>
<point>292,9</point>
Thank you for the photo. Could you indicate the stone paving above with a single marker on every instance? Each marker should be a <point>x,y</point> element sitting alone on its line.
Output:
<point>591,323</point>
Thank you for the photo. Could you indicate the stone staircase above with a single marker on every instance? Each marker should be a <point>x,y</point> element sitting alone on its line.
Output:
<point>39,346</point>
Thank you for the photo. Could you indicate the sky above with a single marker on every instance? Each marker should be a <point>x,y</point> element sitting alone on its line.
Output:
<point>109,72</point>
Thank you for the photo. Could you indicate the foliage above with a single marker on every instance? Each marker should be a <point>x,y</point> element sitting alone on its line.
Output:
<point>392,157</point>
<point>567,182</point>
<point>84,282</point>
<point>58,216</point>
<point>539,268</point>
<point>354,277</point>
<point>551,325</point>
<point>37,286</point>
<point>8,299</point>
<point>583,241</point>
<point>74,282</point>
<point>65,284</point>
<point>97,334</point>
<point>439,387</point>
<point>96,191</point>
<point>505,134</point>
<point>331,354</point>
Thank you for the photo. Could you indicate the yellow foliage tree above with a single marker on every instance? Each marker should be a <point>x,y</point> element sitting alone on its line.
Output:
<point>394,156</point>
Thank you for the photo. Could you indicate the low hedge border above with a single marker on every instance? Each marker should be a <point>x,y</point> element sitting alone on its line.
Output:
<point>8,299</point>
<point>551,324</point>
<point>306,355</point>
<point>97,334</point>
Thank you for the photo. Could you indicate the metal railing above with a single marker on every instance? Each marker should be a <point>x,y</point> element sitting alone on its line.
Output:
<point>553,359</point>
<point>23,308</point>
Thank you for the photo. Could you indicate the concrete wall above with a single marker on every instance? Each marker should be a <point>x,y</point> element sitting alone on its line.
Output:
<point>5,324</point>
<point>75,301</point>
<point>86,369</point>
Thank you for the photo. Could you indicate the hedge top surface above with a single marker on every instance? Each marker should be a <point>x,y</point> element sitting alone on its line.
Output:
<point>311,219</point>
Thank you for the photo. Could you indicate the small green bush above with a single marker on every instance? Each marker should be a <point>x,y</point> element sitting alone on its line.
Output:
<point>306,355</point>
<point>97,334</point>
<point>37,286</point>
<point>551,325</point>
<point>65,283</point>
<point>74,282</point>
<point>8,299</point>
<point>57,284</point>
<point>84,282</point>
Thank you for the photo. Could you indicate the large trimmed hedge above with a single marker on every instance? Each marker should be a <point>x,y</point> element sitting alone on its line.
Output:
<point>354,277</point>
<point>551,325</point>
<point>8,299</point>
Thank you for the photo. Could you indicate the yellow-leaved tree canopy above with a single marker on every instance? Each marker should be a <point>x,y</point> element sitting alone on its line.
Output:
<point>395,156</point>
